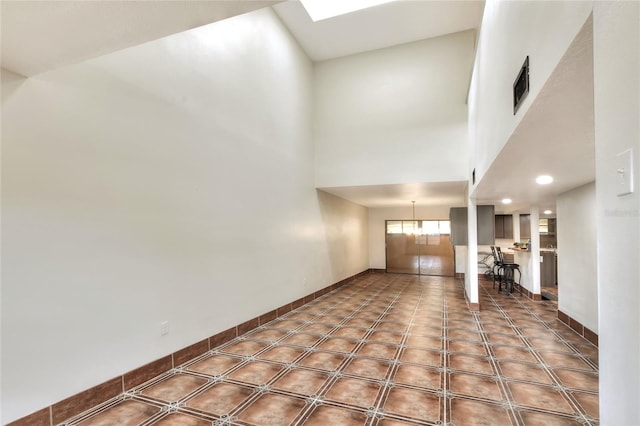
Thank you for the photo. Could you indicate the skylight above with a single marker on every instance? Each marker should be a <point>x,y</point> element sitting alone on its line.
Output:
<point>323,9</point>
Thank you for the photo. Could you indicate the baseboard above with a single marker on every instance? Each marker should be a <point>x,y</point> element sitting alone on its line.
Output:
<point>459,275</point>
<point>578,327</point>
<point>536,297</point>
<point>76,404</point>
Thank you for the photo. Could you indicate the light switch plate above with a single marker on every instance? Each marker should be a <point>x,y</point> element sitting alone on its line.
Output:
<point>624,172</point>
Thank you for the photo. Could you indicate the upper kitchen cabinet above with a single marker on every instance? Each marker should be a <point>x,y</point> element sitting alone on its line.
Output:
<point>504,226</point>
<point>485,225</point>
<point>547,226</point>
<point>458,222</point>
<point>525,227</point>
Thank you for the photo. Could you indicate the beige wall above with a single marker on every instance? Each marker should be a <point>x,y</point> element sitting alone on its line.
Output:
<point>577,255</point>
<point>172,181</point>
<point>381,117</point>
<point>616,56</point>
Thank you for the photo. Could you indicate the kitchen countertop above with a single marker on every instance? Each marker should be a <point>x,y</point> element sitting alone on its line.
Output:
<point>521,250</point>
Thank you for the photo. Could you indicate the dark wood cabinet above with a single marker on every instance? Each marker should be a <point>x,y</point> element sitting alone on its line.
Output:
<point>458,221</point>
<point>525,227</point>
<point>548,269</point>
<point>504,226</point>
<point>485,225</point>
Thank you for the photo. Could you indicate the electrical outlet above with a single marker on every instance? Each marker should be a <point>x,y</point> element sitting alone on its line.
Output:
<point>164,328</point>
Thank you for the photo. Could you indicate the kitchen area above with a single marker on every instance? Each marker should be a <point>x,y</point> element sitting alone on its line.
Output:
<point>521,249</point>
<point>513,234</point>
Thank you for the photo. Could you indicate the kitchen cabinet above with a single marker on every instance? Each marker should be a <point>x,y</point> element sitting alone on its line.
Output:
<point>525,227</point>
<point>548,269</point>
<point>552,226</point>
<point>485,225</point>
<point>458,222</point>
<point>504,226</point>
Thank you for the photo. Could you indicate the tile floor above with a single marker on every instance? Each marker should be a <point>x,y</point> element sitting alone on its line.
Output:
<point>383,350</point>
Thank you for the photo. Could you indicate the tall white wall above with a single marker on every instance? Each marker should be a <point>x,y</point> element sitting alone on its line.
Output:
<point>577,255</point>
<point>172,181</point>
<point>616,54</point>
<point>386,116</point>
<point>510,31</point>
<point>377,231</point>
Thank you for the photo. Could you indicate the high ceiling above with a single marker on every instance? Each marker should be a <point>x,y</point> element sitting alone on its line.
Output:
<point>556,135</point>
<point>382,26</point>
<point>39,36</point>
<point>43,35</point>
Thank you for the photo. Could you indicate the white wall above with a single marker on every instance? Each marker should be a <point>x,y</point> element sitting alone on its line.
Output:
<point>511,30</point>
<point>577,255</point>
<point>544,30</point>
<point>617,108</point>
<point>170,181</point>
<point>384,116</point>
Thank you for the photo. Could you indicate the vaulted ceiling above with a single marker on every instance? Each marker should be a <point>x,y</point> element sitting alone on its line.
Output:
<point>38,36</point>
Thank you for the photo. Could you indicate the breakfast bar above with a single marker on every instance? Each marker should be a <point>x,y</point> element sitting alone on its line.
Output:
<point>529,270</point>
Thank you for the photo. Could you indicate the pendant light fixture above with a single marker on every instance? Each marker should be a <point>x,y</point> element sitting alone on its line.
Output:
<point>415,230</point>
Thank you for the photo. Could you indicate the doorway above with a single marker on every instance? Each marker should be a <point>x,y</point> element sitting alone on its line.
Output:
<point>419,247</point>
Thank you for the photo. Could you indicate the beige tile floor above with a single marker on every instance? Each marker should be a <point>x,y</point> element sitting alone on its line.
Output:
<point>386,350</point>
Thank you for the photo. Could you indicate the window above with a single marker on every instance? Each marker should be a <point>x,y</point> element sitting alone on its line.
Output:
<point>430,227</point>
<point>426,227</point>
<point>436,227</point>
<point>394,227</point>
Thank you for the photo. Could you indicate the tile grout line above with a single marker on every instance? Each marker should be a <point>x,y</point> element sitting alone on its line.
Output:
<point>332,380</point>
<point>561,337</point>
<point>377,297</point>
<point>540,361</point>
<point>445,357</point>
<point>384,387</point>
<point>511,404</point>
<point>557,384</point>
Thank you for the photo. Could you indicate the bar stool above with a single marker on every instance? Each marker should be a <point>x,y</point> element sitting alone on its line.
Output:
<point>497,266</point>
<point>508,274</point>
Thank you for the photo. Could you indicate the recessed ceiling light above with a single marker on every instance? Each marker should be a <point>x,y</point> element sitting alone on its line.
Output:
<point>548,212</point>
<point>323,9</point>
<point>544,179</point>
<point>506,201</point>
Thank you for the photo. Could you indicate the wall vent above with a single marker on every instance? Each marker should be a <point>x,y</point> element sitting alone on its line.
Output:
<point>521,86</point>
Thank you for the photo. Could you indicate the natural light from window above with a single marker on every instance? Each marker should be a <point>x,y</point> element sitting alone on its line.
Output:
<point>323,9</point>
<point>427,227</point>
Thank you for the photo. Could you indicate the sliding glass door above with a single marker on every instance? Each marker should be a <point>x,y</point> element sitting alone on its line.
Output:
<point>420,247</point>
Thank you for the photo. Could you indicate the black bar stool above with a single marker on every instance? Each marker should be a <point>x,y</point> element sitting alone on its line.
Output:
<point>508,273</point>
<point>497,264</point>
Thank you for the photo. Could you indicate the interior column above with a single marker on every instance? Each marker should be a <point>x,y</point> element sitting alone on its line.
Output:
<point>471,277</point>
